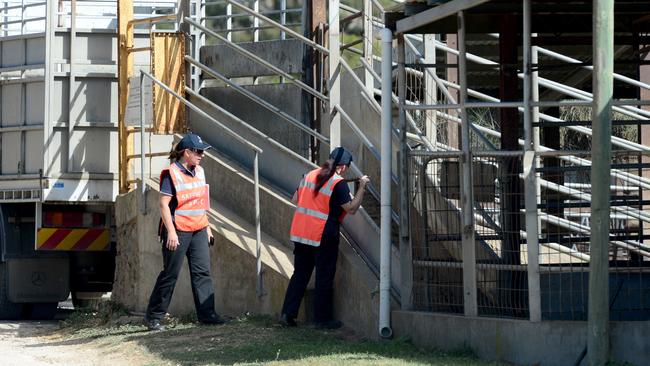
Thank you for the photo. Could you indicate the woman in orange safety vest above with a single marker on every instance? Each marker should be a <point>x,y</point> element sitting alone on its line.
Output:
<point>184,231</point>
<point>322,200</point>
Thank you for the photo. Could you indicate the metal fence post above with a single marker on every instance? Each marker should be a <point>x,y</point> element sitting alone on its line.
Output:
<point>530,177</point>
<point>406,263</point>
<point>334,84</point>
<point>258,229</point>
<point>367,43</point>
<point>143,202</point>
<point>466,198</point>
<point>598,313</point>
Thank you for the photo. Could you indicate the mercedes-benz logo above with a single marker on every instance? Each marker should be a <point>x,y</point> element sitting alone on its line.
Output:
<point>38,278</point>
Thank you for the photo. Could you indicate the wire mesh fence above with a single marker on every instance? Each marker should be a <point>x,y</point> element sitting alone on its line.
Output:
<point>563,214</point>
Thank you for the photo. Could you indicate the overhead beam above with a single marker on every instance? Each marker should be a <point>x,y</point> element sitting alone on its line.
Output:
<point>434,14</point>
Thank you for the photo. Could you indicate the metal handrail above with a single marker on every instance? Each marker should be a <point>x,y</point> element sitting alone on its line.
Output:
<point>268,20</point>
<point>259,60</point>
<point>256,150</point>
<point>241,15</point>
<point>257,99</point>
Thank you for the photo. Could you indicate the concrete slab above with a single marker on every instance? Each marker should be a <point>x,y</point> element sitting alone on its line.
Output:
<point>520,341</point>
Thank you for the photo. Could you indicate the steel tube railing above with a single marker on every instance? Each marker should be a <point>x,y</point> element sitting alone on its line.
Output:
<point>258,100</point>
<point>256,150</point>
<point>279,26</point>
<point>259,60</point>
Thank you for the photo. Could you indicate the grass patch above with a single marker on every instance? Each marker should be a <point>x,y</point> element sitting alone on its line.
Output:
<point>246,340</point>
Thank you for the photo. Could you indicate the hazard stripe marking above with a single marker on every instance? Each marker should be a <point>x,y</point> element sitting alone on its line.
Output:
<point>55,239</point>
<point>73,239</point>
<point>102,242</point>
<point>88,238</point>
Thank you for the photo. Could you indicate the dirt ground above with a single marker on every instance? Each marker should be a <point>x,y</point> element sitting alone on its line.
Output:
<point>32,343</point>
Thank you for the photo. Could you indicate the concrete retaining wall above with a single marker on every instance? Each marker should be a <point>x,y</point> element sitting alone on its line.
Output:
<point>139,261</point>
<point>139,257</point>
<point>520,341</point>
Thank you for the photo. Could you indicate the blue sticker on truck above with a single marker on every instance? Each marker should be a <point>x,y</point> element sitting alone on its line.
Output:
<point>58,185</point>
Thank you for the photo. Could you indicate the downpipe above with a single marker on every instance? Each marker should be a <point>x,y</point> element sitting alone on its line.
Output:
<point>385,331</point>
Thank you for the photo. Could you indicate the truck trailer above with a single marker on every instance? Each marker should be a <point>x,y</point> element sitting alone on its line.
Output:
<point>58,150</point>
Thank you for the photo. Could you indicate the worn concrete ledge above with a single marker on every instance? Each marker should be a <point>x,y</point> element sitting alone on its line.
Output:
<point>519,341</point>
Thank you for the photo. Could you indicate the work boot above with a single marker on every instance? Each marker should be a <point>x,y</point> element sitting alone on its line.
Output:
<point>287,321</point>
<point>154,325</point>
<point>330,324</point>
<point>213,319</point>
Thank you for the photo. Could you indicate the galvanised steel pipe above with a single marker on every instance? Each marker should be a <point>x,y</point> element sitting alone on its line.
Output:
<point>603,91</point>
<point>386,158</point>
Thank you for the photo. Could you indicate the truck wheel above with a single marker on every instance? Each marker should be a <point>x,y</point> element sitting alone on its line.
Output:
<point>87,304</point>
<point>8,310</point>
<point>41,310</point>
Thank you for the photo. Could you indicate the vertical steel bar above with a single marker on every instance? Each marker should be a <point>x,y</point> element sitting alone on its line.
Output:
<point>406,269</point>
<point>598,313</point>
<point>430,90</point>
<point>48,92</point>
<point>5,26</point>
<point>385,195</point>
<point>530,177</point>
<point>22,18</point>
<point>334,86</point>
<point>466,198</point>
<point>256,22</point>
<point>283,18</point>
<point>72,87</point>
<point>367,43</point>
<point>143,199</point>
<point>258,229</point>
<point>229,21</point>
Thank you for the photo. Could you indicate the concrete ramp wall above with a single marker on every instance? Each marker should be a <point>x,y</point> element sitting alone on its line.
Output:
<point>139,261</point>
<point>139,258</point>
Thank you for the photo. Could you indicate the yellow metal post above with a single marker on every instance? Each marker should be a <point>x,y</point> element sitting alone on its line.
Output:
<point>124,72</point>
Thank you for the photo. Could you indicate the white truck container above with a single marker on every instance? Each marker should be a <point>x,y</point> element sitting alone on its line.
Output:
<point>58,150</point>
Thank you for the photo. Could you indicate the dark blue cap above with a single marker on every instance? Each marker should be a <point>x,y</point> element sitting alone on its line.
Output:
<point>341,156</point>
<point>192,141</point>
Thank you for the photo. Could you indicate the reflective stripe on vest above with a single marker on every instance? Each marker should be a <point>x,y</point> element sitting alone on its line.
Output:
<point>312,209</point>
<point>193,196</point>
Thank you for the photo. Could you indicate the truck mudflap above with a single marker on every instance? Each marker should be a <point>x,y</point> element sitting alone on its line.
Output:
<point>62,239</point>
<point>38,280</point>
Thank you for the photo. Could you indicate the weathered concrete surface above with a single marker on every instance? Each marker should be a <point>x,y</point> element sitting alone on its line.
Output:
<point>285,54</point>
<point>139,261</point>
<point>520,341</point>
<point>139,258</point>
<point>285,97</point>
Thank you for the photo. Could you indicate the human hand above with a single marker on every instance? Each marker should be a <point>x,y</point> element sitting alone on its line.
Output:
<point>172,241</point>
<point>210,237</point>
<point>364,180</point>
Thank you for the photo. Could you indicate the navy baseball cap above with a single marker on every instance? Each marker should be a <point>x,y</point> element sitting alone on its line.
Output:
<point>341,156</point>
<point>192,141</point>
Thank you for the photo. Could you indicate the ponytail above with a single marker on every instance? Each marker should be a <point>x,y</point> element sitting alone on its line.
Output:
<point>175,155</point>
<point>326,172</point>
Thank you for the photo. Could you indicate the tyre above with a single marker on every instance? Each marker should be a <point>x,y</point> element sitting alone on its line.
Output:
<point>86,304</point>
<point>8,310</point>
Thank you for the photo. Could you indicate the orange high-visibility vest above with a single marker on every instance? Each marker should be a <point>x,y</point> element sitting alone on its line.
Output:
<point>313,209</point>
<point>193,196</point>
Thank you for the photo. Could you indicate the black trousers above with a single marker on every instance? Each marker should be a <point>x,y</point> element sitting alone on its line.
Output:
<point>194,245</point>
<point>306,257</point>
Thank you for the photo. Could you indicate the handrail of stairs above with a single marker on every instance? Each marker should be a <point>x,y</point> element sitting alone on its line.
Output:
<point>256,150</point>
<point>270,21</point>
<point>259,60</point>
<point>257,99</point>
